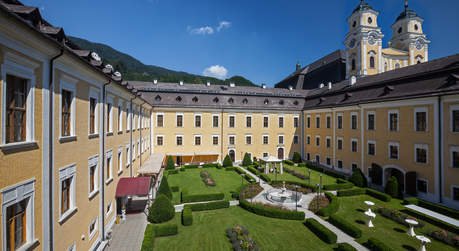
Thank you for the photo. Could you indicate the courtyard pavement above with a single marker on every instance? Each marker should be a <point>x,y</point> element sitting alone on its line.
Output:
<point>441,217</point>
<point>128,235</point>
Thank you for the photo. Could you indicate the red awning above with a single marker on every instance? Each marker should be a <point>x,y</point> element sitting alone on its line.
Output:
<point>138,186</point>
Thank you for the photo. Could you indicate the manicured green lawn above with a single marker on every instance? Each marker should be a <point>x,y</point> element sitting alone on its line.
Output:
<point>226,181</point>
<point>315,178</point>
<point>386,230</point>
<point>208,232</point>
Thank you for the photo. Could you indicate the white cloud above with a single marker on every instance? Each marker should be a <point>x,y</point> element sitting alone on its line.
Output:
<point>223,25</point>
<point>206,30</point>
<point>216,71</point>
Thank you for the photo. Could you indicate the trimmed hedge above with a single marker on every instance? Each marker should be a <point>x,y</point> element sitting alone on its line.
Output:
<point>208,206</point>
<point>410,201</point>
<point>201,197</point>
<point>296,157</point>
<point>330,208</point>
<point>313,188</point>
<point>227,161</point>
<point>161,210</point>
<point>246,161</point>
<point>345,247</point>
<point>321,231</point>
<point>187,216</point>
<point>148,238</point>
<point>175,188</point>
<point>166,230</point>
<point>358,178</point>
<point>351,192</point>
<point>345,226</point>
<point>439,209</point>
<point>302,164</point>
<point>377,245</point>
<point>230,168</point>
<point>265,177</point>
<point>175,171</point>
<point>333,174</point>
<point>392,187</point>
<point>378,195</point>
<point>338,186</point>
<point>170,165</point>
<point>182,169</point>
<point>288,162</point>
<point>432,220</point>
<point>164,188</point>
<point>207,165</point>
<point>271,212</point>
<point>253,170</point>
<point>190,166</point>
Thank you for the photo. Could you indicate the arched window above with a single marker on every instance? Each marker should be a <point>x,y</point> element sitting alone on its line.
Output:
<point>385,66</point>
<point>281,102</point>
<point>231,100</point>
<point>216,100</point>
<point>195,99</point>
<point>372,61</point>
<point>353,64</point>
<point>178,99</point>
<point>295,102</point>
<point>266,102</point>
<point>397,65</point>
<point>419,61</point>
<point>158,98</point>
<point>245,101</point>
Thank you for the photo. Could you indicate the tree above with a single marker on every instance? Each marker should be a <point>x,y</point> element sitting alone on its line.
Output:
<point>392,187</point>
<point>358,178</point>
<point>161,210</point>
<point>227,161</point>
<point>164,188</point>
<point>246,161</point>
<point>296,157</point>
<point>170,163</point>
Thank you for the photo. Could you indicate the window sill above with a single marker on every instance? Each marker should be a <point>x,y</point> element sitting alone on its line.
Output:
<point>19,145</point>
<point>64,139</point>
<point>109,134</point>
<point>93,193</point>
<point>67,215</point>
<point>120,132</point>
<point>108,181</point>
<point>29,246</point>
<point>95,135</point>
<point>120,172</point>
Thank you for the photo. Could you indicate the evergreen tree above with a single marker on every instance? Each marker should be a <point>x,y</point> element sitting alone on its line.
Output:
<point>227,161</point>
<point>296,157</point>
<point>246,161</point>
<point>392,187</point>
<point>164,188</point>
<point>358,178</point>
<point>170,163</point>
<point>161,210</point>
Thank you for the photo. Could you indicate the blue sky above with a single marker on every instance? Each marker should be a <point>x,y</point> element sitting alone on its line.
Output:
<point>260,40</point>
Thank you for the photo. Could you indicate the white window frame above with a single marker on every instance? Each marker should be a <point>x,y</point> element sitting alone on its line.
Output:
<point>338,115</point>
<point>398,150</point>
<point>218,140</point>
<point>317,117</point>
<point>451,121</point>
<point>371,142</point>
<point>159,136</point>
<point>176,119</point>
<point>308,121</point>
<point>357,148</point>
<point>263,122</point>
<point>128,155</point>
<point>24,69</point>
<point>96,228</point>
<point>15,194</point>
<point>251,121</point>
<point>120,160</point>
<point>427,186</point>
<point>452,149</point>
<point>326,159</point>
<point>328,116</point>
<point>218,119</point>
<point>138,117</point>
<point>421,109</point>
<point>157,114</point>
<point>93,161</point>
<point>107,214</point>
<point>263,139</point>
<point>421,146</point>
<point>337,143</point>
<point>297,139</point>
<point>368,120</point>
<point>298,119</point>
<point>315,159</point>
<point>279,119</point>
<point>328,138</point>
<point>308,139</point>
<point>120,115</point>
<point>265,153</point>
<point>179,135</point>
<point>128,117</point>
<point>109,115</point>
<point>354,163</point>
<point>229,121</point>
<point>248,136</point>
<point>109,155</point>
<point>357,121</point>
<point>229,139</point>
<point>279,137</point>
<point>93,93</point>
<point>66,173</point>
<point>308,156</point>
<point>200,139</point>
<point>317,137</point>
<point>342,164</point>
<point>69,84</point>
<point>200,123</point>
<point>389,122</point>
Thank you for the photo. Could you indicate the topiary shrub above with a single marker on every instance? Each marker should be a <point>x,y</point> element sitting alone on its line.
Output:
<point>321,231</point>
<point>209,206</point>
<point>331,208</point>
<point>341,186</point>
<point>345,247</point>
<point>175,171</point>
<point>170,163</point>
<point>166,230</point>
<point>187,216</point>
<point>296,157</point>
<point>346,226</point>
<point>201,197</point>
<point>265,177</point>
<point>377,245</point>
<point>247,161</point>
<point>164,188</point>
<point>288,162</point>
<point>392,187</point>
<point>378,195</point>
<point>227,162</point>
<point>351,192</point>
<point>161,210</point>
<point>175,188</point>
<point>148,238</point>
<point>358,178</point>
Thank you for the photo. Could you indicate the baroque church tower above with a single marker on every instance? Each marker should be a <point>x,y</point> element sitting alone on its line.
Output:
<point>364,52</point>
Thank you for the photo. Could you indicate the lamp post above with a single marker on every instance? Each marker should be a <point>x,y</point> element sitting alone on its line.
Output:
<point>320,184</point>
<point>318,194</point>
<point>275,173</point>
<point>242,186</point>
<point>296,198</point>
<point>309,170</point>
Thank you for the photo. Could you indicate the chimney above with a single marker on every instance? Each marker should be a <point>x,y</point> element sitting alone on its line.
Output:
<point>208,83</point>
<point>329,85</point>
<point>263,86</point>
<point>181,82</point>
<point>232,84</point>
<point>155,81</point>
<point>321,85</point>
<point>352,80</point>
<point>290,87</point>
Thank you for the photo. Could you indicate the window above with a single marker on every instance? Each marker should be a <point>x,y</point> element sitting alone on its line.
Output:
<point>354,166</point>
<point>340,164</point>
<point>248,121</point>
<point>231,139</point>
<point>397,65</point>
<point>138,119</point>
<point>266,122</point>
<point>16,229</point>
<point>454,156</point>
<point>197,140</point>
<point>265,139</point>
<point>393,120</point>
<point>371,121</point>
<point>295,122</point>
<point>248,140</point>
<point>340,144</point>
<point>308,156</point>
<point>66,112</point>
<point>353,121</point>
<point>215,140</point>
<point>120,115</point>
<point>295,139</point>
<point>420,154</point>
<point>128,155</point>
<point>372,62</point>
<point>133,151</point>
<point>109,117</point>
<point>197,121</point>
<point>93,228</point>
<point>353,64</point>
<point>340,121</point>
<point>281,139</point>
<point>179,120</point>
<point>317,159</point>
<point>16,98</point>
<point>317,121</point>
<point>128,119</point>
<point>281,122</point>
<point>328,161</point>
<point>308,122</point>
<point>265,155</point>
<point>455,193</point>
<point>231,121</point>
<point>93,174</point>
<point>120,159</point>
<point>328,142</point>
<point>92,115</point>
<point>328,122</point>
<point>179,140</point>
<point>455,119</point>
<point>371,148</point>
<point>308,140</point>
<point>317,140</point>
<point>159,140</point>
<point>393,150</point>
<point>353,145</point>
<point>215,120</point>
<point>108,167</point>
<point>420,117</point>
<point>421,186</point>
<point>159,120</point>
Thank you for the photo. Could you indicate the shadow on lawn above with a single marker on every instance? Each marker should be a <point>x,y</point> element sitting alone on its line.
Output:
<point>410,248</point>
<point>399,230</point>
<point>360,210</point>
<point>360,222</point>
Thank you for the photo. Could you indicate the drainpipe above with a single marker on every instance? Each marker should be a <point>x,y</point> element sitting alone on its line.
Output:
<point>51,141</point>
<point>440,147</point>
<point>102,169</point>
<point>141,142</point>
<point>130,135</point>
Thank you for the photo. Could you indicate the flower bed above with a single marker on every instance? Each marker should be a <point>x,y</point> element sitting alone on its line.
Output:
<point>291,187</point>
<point>251,191</point>
<point>318,202</point>
<point>295,173</point>
<point>206,178</point>
<point>330,208</point>
<point>239,237</point>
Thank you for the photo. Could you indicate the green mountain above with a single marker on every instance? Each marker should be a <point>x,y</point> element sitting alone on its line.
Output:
<point>133,69</point>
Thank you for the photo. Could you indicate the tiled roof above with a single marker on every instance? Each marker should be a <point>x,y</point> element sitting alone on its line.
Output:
<point>395,52</point>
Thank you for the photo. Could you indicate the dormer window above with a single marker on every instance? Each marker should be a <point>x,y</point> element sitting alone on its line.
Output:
<point>370,20</point>
<point>416,27</point>
<point>295,102</point>
<point>388,88</point>
<point>245,101</point>
<point>158,98</point>
<point>216,100</point>
<point>195,99</point>
<point>178,99</point>
<point>266,102</point>
<point>231,100</point>
<point>281,102</point>
<point>372,61</point>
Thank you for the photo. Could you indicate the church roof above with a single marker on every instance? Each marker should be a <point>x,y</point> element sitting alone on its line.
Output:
<point>394,52</point>
<point>407,14</point>
<point>362,6</point>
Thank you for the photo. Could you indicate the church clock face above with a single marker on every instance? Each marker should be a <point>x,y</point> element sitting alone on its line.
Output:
<point>419,44</point>
<point>371,40</point>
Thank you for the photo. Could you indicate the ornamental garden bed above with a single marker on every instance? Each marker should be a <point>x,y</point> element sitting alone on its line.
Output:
<point>315,176</point>
<point>240,240</point>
